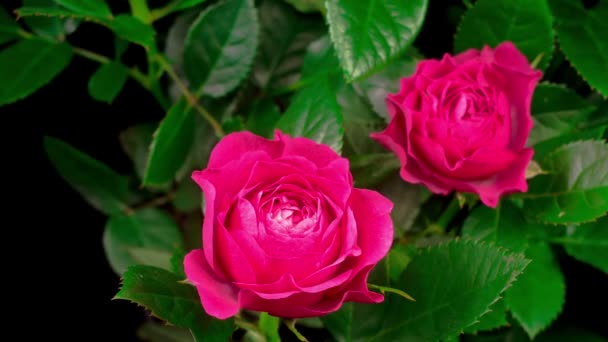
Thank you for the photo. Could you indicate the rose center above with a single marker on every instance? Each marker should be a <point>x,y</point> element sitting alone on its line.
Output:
<point>290,216</point>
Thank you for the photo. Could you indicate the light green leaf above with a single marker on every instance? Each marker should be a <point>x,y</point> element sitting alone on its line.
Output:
<point>148,228</point>
<point>314,113</point>
<point>154,332</point>
<point>103,188</point>
<point>163,293</point>
<point>538,296</point>
<point>368,33</point>
<point>136,141</point>
<point>556,110</point>
<point>492,22</point>
<point>582,37</point>
<point>29,65</point>
<point>545,147</point>
<point>589,243</point>
<point>399,256</point>
<point>307,6</point>
<point>8,27</point>
<point>107,81</point>
<point>172,142</point>
<point>269,325</point>
<point>494,319</point>
<point>133,30</point>
<point>454,284</point>
<point>149,256</point>
<point>380,84</point>
<point>220,47</point>
<point>263,117</point>
<point>285,35</point>
<point>93,8</point>
<point>505,226</point>
<point>576,188</point>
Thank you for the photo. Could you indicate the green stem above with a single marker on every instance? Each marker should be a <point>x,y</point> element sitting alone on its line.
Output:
<point>93,56</point>
<point>384,289</point>
<point>241,323</point>
<point>162,12</point>
<point>193,102</point>
<point>291,325</point>
<point>140,10</point>
<point>448,214</point>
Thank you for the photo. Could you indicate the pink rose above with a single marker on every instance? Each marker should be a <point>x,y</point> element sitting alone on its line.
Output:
<point>462,123</point>
<point>285,232</point>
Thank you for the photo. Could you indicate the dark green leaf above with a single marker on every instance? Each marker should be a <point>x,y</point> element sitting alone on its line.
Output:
<point>367,34</point>
<point>496,318</point>
<point>308,5</point>
<point>171,144</point>
<point>543,148</point>
<point>576,188</point>
<point>589,243</point>
<point>269,325</point>
<point>262,118</point>
<point>220,47</point>
<point>188,196</point>
<point>569,334</point>
<point>556,110</point>
<point>148,228</point>
<point>177,262</point>
<point>136,141</point>
<point>184,4</point>
<point>454,284</point>
<point>93,8</point>
<point>406,197</point>
<point>505,226</point>
<point>233,124</point>
<point>41,25</point>
<point>370,170</point>
<point>198,155</point>
<point>320,60</point>
<point>148,256</point>
<point>103,188</point>
<point>581,33</point>
<point>133,30</point>
<point>380,84</point>
<point>8,27</point>
<point>153,332</point>
<point>163,293</point>
<point>285,36</point>
<point>537,297</point>
<point>492,22</point>
<point>397,260</point>
<point>29,65</point>
<point>107,81</point>
<point>315,114</point>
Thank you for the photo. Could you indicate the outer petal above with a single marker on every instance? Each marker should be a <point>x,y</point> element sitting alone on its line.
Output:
<point>219,298</point>
<point>234,145</point>
<point>317,153</point>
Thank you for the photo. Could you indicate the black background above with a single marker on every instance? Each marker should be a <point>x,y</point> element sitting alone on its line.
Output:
<point>61,269</point>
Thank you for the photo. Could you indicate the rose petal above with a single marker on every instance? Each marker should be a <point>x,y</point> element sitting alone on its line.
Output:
<point>219,298</point>
<point>319,154</point>
<point>235,145</point>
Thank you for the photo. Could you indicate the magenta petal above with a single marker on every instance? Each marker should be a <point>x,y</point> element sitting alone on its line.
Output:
<point>319,154</point>
<point>373,215</point>
<point>234,145</point>
<point>219,298</point>
<point>466,56</point>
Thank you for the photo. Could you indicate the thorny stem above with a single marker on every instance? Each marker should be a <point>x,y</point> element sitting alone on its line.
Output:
<point>192,101</point>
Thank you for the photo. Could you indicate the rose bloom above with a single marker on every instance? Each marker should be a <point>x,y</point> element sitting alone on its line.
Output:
<point>284,231</point>
<point>462,123</point>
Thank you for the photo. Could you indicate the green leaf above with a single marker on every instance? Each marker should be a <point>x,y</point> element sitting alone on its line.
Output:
<point>569,334</point>
<point>269,325</point>
<point>454,285</point>
<point>29,65</point>
<point>380,84</point>
<point>133,30</point>
<point>556,110</point>
<point>107,81</point>
<point>543,148</point>
<point>153,332</point>
<point>9,29</point>
<point>538,296</point>
<point>285,35</point>
<point>581,33</point>
<point>177,262</point>
<point>148,228</point>
<point>406,197</point>
<point>45,27</point>
<point>492,22</point>
<point>263,117</point>
<point>220,47</point>
<point>171,144</point>
<point>367,34</point>
<point>399,256</point>
<point>314,113</point>
<point>163,293</point>
<point>370,170</point>
<point>136,141</point>
<point>148,256</point>
<point>93,8</point>
<point>198,154</point>
<point>103,188</point>
<point>307,6</point>
<point>576,188</point>
<point>589,243</point>
<point>320,61</point>
<point>184,4</point>
<point>505,226</point>
<point>188,196</point>
<point>494,319</point>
